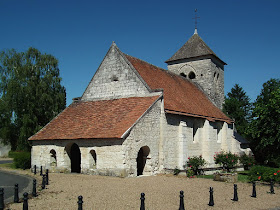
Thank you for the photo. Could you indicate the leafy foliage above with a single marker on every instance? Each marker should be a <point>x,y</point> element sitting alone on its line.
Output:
<point>31,94</point>
<point>226,159</point>
<point>190,173</point>
<point>195,163</point>
<point>262,173</point>
<point>238,107</point>
<point>22,160</point>
<point>264,129</point>
<point>176,171</point>
<point>247,161</point>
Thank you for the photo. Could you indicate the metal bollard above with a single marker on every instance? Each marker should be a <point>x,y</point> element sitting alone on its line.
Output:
<point>2,198</point>
<point>35,169</point>
<point>142,206</point>
<point>44,182</point>
<point>182,206</point>
<point>41,171</point>
<point>16,198</point>
<point>47,177</point>
<point>254,193</point>
<point>235,196</point>
<point>25,201</point>
<point>80,202</point>
<point>34,193</point>
<point>211,201</point>
<point>271,187</point>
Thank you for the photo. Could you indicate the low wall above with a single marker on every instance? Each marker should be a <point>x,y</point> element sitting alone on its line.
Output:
<point>4,149</point>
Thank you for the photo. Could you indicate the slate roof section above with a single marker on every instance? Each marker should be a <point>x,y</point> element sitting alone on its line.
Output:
<point>193,48</point>
<point>107,119</point>
<point>181,96</point>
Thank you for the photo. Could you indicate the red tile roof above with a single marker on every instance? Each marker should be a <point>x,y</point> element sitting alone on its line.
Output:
<point>180,95</point>
<point>96,119</point>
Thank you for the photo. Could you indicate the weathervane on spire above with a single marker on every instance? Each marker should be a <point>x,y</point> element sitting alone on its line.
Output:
<point>195,18</point>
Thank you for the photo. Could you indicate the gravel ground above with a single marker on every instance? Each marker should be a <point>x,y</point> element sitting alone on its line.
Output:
<point>162,192</point>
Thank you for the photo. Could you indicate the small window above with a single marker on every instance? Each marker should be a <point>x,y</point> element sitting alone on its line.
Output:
<point>114,78</point>
<point>214,74</point>
<point>183,75</point>
<point>53,158</point>
<point>93,159</point>
<point>191,75</point>
<point>218,76</point>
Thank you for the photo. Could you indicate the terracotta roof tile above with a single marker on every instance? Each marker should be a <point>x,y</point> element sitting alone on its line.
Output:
<point>180,95</point>
<point>96,119</point>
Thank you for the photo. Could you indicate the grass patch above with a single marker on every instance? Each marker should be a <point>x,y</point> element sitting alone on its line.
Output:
<point>243,176</point>
<point>205,176</point>
<point>8,165</point>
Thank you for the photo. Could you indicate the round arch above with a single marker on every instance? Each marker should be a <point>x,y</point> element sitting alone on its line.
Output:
<point>92,159</point>
<point>73,152</point>
<point>53,161</point>
<point>141,159</point>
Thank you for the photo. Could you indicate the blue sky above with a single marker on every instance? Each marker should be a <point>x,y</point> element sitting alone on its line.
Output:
<point>244,34</point>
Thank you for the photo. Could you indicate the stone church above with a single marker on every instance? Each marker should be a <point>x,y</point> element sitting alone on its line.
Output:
<point>137,119</point>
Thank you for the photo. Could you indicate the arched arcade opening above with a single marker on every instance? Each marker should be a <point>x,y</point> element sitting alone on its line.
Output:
<point>141,159</point>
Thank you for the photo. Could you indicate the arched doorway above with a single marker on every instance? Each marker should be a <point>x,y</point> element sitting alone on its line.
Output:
<point>75,156</point>
<point>141,159</point>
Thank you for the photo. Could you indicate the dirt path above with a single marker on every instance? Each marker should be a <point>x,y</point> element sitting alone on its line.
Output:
<point>162,192</point>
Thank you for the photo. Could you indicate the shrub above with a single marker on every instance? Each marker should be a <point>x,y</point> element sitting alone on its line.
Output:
<point>195,163</point>
<point>247,161</point>
<point>226,159</point>
<point>176,171</point>
<point>22,160</point>
<point>190,173</point>
<point>263,173</point>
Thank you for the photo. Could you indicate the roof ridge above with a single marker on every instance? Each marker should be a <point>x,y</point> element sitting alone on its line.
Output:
<point>146,62</point>
<point>162,69</point>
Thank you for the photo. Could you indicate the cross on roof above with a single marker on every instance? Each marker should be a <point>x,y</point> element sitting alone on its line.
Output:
<point>196,17</point>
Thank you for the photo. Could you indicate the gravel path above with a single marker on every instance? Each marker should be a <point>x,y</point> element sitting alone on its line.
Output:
<point>162,192</point>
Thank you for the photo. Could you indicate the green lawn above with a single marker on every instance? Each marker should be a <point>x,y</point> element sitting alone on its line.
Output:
<point>8,165</point>
<point>242,176</point>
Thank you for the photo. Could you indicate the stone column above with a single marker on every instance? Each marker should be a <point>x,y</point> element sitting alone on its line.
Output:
<point>182,144</point>
<point>205,142</point>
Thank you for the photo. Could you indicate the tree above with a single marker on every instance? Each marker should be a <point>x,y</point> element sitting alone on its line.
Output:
<point>31,94</point>
<point>265,126</point>
<point>238,107</point>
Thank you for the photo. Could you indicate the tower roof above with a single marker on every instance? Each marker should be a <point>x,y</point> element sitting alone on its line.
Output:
<point>195,47</point>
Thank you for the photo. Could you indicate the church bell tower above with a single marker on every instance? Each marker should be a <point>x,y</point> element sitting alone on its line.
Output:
<point>197,62</point>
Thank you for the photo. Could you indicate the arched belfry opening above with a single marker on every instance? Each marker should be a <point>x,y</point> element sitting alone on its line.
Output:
<point>141,159</point>
<point>75,157</point>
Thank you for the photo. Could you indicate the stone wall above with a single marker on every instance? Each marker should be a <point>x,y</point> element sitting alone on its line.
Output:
<point>187,136</point>
<point>209,75</point>
<point>109,155</point>
<point>145,133</point>
<point>115,79</point>
<point>114,157</point>
<point>4,149</point>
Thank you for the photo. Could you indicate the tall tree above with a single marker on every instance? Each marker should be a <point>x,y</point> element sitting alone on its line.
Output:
<point>238,107</point>
<point>265,126</point>
<point>31,94</point>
